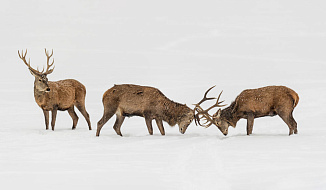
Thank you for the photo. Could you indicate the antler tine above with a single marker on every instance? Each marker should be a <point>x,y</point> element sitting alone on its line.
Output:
<point>48,70</point>
<point>205,96</point>
<point>48,54</point>
<point>217,104</point>
<point>200,110</point>
<point>204,113</point>
<point>207,120</point>
<point>218,98</point>
<point>23,57</point>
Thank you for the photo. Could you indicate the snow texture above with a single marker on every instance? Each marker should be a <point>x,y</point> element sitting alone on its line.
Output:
<point>181,48</point>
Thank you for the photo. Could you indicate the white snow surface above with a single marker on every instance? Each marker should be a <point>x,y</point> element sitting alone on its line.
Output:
<point>181,48</point>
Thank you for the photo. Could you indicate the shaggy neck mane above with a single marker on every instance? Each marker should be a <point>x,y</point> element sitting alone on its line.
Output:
<point>228,115</point>
<point>173,112</point>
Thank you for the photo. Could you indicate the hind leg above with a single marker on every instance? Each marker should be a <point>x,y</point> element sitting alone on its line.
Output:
<point>106,116</point>
<point>74,117</point>
<point>289,120</point>
<point>118,123</point>
<point>294,124</point>
<point>82,109</point>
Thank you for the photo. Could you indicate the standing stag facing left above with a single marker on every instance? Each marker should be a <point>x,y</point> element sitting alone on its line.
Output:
<point>60,95</point>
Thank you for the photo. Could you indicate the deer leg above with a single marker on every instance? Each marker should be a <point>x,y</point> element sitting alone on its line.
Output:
<point>54,116</point>
<point>83,111</point>
<point>106,116</point>
<point>294,124</point>
<point>250,123</point>
<point>149,125</point>
<point>46,116</point>
<point>160,126</point>
<point>118,123</point>
<point>74,117</point>
<point>287,119</point>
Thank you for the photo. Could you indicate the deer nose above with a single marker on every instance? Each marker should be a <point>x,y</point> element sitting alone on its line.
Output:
<point>48,89</point>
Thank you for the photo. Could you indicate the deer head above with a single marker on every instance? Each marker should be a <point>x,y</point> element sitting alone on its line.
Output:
<point>222,124</point>
<point>41,80</point>
<point>210,119</point>
<point>185,121</point>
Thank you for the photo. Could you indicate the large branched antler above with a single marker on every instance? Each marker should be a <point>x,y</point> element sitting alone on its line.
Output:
<point>48,70</point>
<point>199,109</point>
<point>22,56</point>
<point>203,114</point>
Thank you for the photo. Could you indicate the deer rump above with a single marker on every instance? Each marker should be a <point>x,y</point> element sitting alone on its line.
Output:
<point>129,100</point>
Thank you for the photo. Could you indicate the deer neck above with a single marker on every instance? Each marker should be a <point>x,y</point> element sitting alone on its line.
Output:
<point>173,112</point>
<point>229,115</point>
<point>40,96</point>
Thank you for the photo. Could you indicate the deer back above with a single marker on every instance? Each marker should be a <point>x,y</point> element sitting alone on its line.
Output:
<point>263,100</point>
<point>132,98</point>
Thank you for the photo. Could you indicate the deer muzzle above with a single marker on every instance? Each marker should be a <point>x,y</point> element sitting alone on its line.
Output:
<point>182,131</point>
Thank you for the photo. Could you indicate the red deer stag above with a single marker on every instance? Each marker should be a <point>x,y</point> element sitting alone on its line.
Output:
<point>251,104</point>
<point>128,100</point>
<point>60,95</point>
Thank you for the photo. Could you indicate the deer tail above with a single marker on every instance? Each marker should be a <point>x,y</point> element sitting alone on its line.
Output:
<point>295,98</point>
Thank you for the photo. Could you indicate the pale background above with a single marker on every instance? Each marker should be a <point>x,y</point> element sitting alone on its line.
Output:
<point>182,48</point>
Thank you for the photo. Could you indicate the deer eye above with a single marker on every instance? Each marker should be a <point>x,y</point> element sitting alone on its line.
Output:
<point>40,80</point>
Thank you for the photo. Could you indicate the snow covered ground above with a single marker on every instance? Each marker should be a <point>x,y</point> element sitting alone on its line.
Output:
<point>182,48</point>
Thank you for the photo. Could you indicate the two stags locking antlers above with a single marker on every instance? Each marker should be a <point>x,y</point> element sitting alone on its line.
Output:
<point>203,114</point>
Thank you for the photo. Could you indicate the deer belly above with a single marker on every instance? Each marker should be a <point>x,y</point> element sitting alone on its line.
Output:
<point>131,113</point>
<point>64,107</point>
<point>46,108</point>
<point>130,110</point>
<point>65,103</point>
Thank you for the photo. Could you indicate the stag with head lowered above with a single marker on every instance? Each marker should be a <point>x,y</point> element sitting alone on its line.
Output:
<point>128,100</point>
<point>251,104</point>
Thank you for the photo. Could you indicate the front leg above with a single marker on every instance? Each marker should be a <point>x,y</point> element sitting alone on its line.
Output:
<point>46,116</point>
<point>160,126</point>
<point>149,125</point>
<point>250,123</point>
<point>54,116</point>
